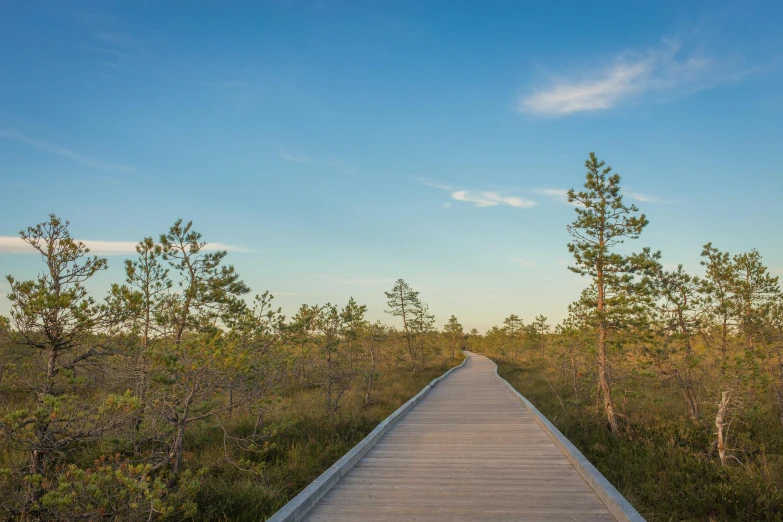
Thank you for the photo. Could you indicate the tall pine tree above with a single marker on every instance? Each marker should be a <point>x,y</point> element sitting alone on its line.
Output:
<point>603,221</point>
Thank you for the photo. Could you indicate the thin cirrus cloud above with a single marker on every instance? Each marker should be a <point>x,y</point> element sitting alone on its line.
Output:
<point>524,262</point>
<point>558,194</point>
<point>297,157</point>
<point>491,199</point>
<point>561,195</point>
<point>644,198</point>
<point>481,198</point>
<point>64,152</point>
<point>16,245</point>
<point>663,71</point>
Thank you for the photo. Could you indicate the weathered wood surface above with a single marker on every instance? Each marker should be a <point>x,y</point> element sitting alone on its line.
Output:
<point>468,451</point>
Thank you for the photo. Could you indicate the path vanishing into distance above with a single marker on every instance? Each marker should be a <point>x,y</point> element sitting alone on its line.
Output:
<point>469,449</point>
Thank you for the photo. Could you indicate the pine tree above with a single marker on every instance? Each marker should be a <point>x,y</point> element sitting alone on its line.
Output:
<point>756,291</point>
<point>454,330</point>
<point>721,282</point>
<point>402,301</point>
<point>514,329</point>
<point>541,328</point>
<point>678,305</point>
<point>353,324</point>
<point>422,324</point>
<point>147,286</point>
<point>55,316</point>
<point>603,221</point>
<point>209,289</point>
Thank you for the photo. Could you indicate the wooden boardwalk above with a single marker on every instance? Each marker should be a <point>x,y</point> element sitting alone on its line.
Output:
<point>468,451</point>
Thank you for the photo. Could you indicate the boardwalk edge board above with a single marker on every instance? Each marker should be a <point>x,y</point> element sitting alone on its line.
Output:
<point>298,507</point>
<point>618,506</point>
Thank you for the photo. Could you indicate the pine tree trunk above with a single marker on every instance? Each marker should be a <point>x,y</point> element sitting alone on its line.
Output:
<point>575,377</point>
<point>686,382</point>
<point>720,424</point>
<point>370,376</point>
<point>693,402</point>
<point>723,345</point>
<point>777,380</point>
<point>688,394</point>
<point>779,395</point>
<point>177,453</point>
<point>603,379</point>
<point>408,340</point>
<point>177,449</point>
<point>141,393</point>
<point>603,365</point>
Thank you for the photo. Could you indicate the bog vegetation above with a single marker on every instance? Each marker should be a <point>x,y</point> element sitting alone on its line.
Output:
<point>175,396</point>
<point>671,383</point>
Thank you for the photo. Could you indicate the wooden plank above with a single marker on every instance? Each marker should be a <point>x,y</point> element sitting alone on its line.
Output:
<point>469,450</point>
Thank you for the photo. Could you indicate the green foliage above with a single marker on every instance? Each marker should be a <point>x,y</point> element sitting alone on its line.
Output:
<point>661,463</point>
<point>54,312</point>
<point>209,290</point>
<point>417,322</point>
<point>116,489</point>
<point>218,408</point>
<point>603,221</point>
<point>192,390</point>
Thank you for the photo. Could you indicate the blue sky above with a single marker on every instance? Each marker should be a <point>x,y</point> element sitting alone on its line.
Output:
<point>337,146</point>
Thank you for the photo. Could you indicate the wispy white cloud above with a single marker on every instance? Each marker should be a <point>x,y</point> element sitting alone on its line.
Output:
<point>567,97</point>
<point>64,152</point>
<point>15,245</point>
<point>666,69</point>
<point>524,262</point>
<point>562,196</point>
<point>777,270</point>
<point>638,196</point>
<point>558,194</point>
<point>491,199</point>
<point>432,184</point>
<point>295,157</point>
<point>479,198</point>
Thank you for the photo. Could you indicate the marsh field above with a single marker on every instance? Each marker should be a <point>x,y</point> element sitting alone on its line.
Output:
<point>177,396</point>
<point>235,236</point>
